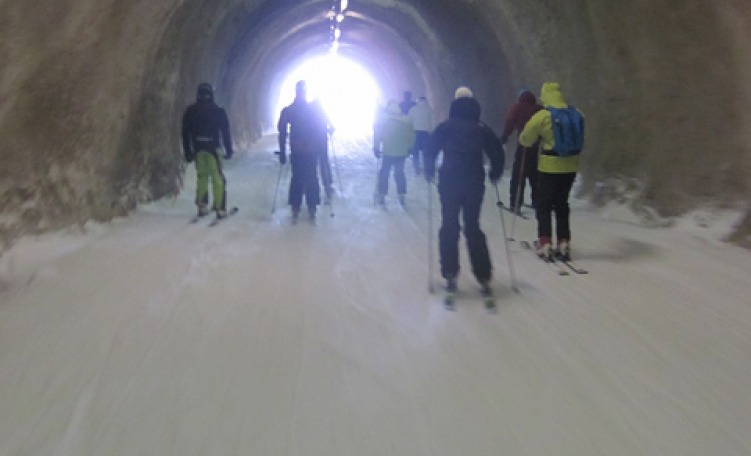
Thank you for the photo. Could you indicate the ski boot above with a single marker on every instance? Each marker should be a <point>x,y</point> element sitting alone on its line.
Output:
<point>448,299</point>
<point>487,295</point>
<point>544,250</point>
<point>563,252</point>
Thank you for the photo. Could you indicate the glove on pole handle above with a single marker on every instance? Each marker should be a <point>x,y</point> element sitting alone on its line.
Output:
<point>512,275</point>
<point>278,180</point>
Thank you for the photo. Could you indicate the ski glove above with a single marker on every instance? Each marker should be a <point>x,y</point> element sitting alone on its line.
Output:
<point>189,156</point>
<point>282,158</point>
<point>376,152</point>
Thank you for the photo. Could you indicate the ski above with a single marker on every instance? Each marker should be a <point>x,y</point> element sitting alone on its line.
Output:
<point>230,213</point>
<point>449,299</point>
<point>555,265</point>
<point>569,264</point>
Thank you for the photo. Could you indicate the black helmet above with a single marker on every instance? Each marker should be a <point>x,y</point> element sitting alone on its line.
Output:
<point>205,91</point>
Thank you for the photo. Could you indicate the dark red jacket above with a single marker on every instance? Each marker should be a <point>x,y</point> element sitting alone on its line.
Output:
<point>519,114</point>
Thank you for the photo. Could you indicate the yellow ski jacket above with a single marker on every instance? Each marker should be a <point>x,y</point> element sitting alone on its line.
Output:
<point>540,126</point>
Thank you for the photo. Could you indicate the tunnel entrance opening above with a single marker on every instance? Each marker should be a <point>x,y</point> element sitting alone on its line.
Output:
<point>348,92</point>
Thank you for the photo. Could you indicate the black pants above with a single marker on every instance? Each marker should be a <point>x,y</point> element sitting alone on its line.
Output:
<point>304,180</point>
<point>457,199</point>
<point>552,196</point>
<point>520,174</point>
<point>418,148</point>
<point>383,175</point>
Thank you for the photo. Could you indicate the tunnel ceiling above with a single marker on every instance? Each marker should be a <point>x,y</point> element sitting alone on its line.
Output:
<point>92,91</point>
<point>394,41</point>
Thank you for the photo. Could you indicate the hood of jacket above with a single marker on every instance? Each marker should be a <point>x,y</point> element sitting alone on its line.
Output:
<point>551,95</point>
<point>465,108</point>
<point>527,97</point>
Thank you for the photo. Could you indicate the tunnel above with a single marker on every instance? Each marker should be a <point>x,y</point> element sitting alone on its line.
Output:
<point>92,92</point>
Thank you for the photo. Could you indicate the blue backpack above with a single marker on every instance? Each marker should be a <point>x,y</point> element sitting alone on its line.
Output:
<point>568,131</point>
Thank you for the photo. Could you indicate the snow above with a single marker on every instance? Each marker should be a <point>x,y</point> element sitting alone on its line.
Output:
<point>149,335</point>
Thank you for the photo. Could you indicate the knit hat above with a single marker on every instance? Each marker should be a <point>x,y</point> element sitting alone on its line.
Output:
<point>463,92</point>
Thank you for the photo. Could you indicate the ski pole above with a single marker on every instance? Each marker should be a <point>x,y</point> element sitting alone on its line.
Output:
<point>336,163</point>
<point>278,180</point>
<point>505,240</point>
<point>430,237</point>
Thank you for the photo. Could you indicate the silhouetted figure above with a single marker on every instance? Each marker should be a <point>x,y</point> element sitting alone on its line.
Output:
<point>525,158</point>
<point>307,143</point>
<point>422,120</point>
<point>393,137</point>
<point>407,102</point>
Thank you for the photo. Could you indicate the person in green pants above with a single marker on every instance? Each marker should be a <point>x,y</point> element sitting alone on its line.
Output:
<point>205,132</point>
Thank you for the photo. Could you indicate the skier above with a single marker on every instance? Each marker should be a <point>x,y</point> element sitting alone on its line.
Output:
<point>525,159</point>
<point>307,142</point>
<point>463,139</point>
<point>393,137</point>
<point>422,119</point>
<point>407,102</point>
<point>556,170</point>
<point>324,164</point>
<point>205,129</point>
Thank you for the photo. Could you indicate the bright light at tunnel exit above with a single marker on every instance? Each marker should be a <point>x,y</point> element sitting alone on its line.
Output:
<point>348,93</point>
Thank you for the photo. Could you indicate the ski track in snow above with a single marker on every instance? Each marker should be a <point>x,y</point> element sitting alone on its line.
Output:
<point>150,335</point>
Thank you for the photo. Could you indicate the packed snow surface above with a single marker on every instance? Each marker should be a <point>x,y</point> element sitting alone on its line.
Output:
<point>153,336</point>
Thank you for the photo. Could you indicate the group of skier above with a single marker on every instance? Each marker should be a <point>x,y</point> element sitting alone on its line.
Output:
<point>550,137</point>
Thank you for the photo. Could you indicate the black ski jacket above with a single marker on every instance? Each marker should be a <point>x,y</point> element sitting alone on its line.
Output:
<point>463,139</point>
<point>205,127</point>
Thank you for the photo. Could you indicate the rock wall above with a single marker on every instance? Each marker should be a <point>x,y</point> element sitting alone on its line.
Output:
<point>91,91</point>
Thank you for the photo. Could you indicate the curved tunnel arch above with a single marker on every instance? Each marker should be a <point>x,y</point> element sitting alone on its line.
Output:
<point>108,97</point>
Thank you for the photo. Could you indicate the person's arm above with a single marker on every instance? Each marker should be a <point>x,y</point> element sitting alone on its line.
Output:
<point>226,136</point>
<point>432,149</point>
<point>510,123</point>
<point>186,131</point>
<point>281,127</point>
<point>494,150</point>
<point>532,130</point>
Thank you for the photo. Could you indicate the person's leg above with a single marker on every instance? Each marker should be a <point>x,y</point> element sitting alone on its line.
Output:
<point>399,177</point>
<point>476,242</point>
<point>218,185</point>
<point>311,186</point>
<point>561,192</point>
<point>295,183</point>
<point>383,175</point>
<point>202,181</point>
<point>421,140</point>
<point>448,234</point>
<point>514,184</point>
<point>545,188</point>
<point>531,165</point>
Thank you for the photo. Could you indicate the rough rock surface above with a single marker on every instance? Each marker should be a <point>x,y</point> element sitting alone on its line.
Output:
<point>91,91</point>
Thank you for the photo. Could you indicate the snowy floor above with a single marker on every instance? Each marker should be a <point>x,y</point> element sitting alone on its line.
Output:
<point>151,336</point>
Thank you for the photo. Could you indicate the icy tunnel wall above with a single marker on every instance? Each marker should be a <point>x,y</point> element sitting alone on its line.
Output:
<point>91,91</point>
